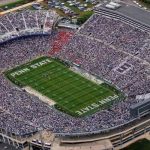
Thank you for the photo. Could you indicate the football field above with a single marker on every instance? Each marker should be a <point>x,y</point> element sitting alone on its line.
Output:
<point>72,93</point>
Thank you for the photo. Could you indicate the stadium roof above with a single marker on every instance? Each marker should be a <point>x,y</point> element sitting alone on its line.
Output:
<point>136,13</point>
<point>131,11</point>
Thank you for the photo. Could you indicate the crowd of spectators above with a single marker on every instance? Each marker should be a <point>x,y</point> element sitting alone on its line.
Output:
<point>26,22</point>
<point>104,44</point>
<point>23,114</point>
<point>95,48</point>
<point>118,34</point>
<point>13,53</point>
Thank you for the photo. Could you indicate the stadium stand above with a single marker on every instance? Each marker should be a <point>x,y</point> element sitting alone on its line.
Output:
<point>61,40</point>
<point>26,22</point>
<point>114,49</point>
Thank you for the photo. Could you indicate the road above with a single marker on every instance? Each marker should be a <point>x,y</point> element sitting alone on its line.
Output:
<point>6,1</point>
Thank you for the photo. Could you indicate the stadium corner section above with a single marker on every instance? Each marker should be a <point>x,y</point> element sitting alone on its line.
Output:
<point>70,91</point>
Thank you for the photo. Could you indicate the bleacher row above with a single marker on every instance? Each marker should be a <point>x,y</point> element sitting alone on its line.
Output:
<point>127,19</point>
<point>26,22</point>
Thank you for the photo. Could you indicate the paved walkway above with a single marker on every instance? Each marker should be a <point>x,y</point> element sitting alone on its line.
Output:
<point>6,1</point>
<point>19,7</point>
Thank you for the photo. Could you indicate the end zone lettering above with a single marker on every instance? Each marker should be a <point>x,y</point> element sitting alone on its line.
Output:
<point>33,66</point>
<point>20,72</point>
<point>39,64</point>
<point>96,105</point>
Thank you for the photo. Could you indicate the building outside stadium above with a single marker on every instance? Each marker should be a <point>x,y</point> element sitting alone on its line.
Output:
<point>83,89</point>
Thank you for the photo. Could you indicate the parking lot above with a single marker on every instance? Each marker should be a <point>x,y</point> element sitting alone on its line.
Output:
<point>6,147</point>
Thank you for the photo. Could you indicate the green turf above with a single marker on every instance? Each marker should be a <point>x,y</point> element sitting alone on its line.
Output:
<point>72,93</point>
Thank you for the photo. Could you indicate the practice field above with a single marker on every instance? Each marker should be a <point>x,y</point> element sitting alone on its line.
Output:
<point>71,92</point>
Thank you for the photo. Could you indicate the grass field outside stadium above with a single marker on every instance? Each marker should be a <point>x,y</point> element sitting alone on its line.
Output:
<point>71,92</point>
<point>143,144</point>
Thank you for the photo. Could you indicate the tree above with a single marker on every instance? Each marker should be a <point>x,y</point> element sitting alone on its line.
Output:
<point>84,16</point>
<point>146,1</point>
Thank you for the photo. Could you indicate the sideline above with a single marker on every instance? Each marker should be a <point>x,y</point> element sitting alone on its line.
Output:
<point>39,95</point>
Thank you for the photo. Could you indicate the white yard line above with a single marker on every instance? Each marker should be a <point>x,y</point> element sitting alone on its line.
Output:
<point>39,95</point>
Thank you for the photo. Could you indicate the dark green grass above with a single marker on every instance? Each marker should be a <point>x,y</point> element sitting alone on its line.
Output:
<point>14,4</point>
<point>69,90</point>
<point>140,145</point>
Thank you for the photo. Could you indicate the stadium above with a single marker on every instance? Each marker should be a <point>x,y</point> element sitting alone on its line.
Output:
<point>81,89</point>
